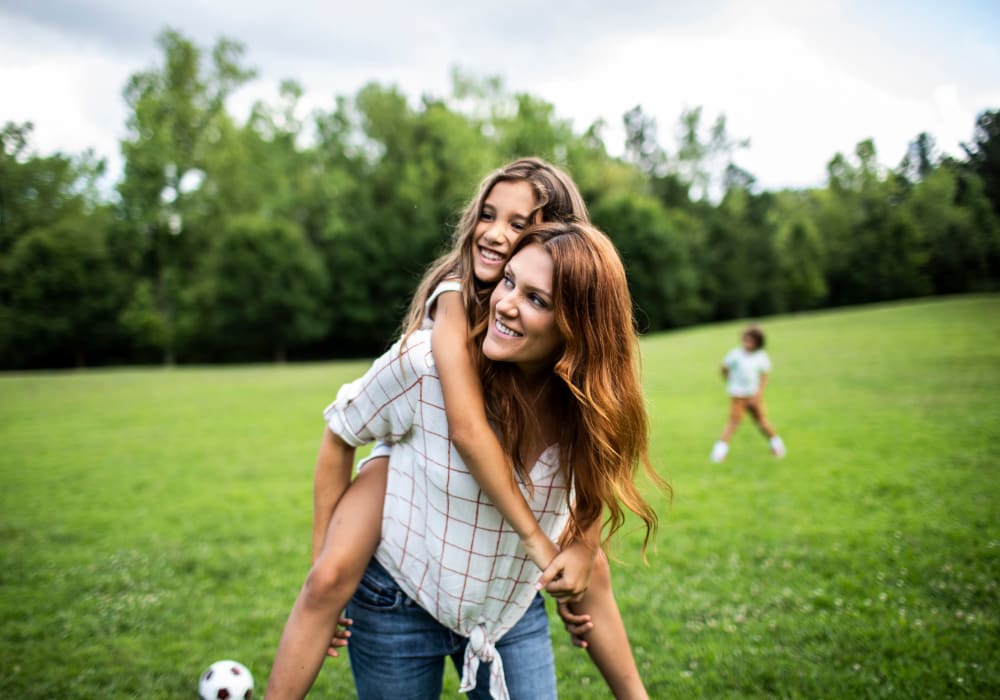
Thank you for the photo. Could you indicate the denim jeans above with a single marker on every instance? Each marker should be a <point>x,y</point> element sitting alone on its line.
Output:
<point>397,649</point>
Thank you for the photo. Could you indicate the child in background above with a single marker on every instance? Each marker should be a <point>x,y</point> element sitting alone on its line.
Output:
<point>745,370</point>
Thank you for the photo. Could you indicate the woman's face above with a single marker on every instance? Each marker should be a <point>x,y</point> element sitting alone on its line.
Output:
<point>522,317</point>
<point>503,218</point>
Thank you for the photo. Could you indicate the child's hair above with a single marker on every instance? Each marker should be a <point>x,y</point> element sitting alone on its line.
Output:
<point>754,332</point>
<point>599,408</point>
<point>556,199</point>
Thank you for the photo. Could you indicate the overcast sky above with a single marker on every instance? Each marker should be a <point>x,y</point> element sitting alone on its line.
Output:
<point>802,80</point>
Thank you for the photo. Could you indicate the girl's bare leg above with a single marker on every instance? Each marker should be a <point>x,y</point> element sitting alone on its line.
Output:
<point>737,407</point>
<point>720,449</point>
<point>607,641</point>
<point>759,414</point>
<point>351,539</point>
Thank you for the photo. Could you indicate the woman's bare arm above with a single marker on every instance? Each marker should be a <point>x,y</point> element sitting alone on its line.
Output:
<point>332,476</point>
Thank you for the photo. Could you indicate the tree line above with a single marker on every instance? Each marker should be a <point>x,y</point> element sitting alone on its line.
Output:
<point>280,236</point>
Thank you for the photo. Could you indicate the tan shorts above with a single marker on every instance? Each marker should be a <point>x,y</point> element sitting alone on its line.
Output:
<point>741,404</point>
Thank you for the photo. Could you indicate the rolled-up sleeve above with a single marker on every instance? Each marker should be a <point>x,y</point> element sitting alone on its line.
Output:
<point>382,404</point>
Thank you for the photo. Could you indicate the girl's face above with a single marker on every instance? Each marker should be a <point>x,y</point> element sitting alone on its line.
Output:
<point>749,344</point>
<point>505,215</point>
<point>522,317</point>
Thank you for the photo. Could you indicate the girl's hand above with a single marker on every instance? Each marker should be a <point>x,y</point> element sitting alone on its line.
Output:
<point>340,637</point>
<point>567,578</point>
<point>540,549</point>
<point>576,625</point>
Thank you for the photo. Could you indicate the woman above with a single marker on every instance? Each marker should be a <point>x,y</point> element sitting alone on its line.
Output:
<point>450,578</point>
<point>452,299</point>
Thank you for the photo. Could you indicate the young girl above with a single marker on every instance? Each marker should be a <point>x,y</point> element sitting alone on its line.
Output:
<point>745,370</point>
<point>450,300</point>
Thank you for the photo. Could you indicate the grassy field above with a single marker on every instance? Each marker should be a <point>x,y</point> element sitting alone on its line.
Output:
<point>153,521</point>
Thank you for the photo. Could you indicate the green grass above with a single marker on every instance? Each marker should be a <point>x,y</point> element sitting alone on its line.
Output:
<point>153,521</point>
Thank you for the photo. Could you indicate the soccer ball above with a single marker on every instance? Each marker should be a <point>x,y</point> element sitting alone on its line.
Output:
<point>226,680</point>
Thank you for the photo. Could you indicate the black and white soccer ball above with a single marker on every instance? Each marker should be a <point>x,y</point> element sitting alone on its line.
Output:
<point>226,680</point>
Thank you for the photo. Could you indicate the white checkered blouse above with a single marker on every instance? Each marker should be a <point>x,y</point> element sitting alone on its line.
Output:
<point>443,541</point>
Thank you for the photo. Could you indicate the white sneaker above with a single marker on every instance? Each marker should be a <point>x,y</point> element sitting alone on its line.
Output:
<point>719,451</point>
<point>778,447</point>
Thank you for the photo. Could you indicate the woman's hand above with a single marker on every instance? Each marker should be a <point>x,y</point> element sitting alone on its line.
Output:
<point>567,578</point>
<point>340,637</point>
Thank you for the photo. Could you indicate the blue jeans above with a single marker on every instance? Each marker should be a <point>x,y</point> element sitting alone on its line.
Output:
<point>397,649</point>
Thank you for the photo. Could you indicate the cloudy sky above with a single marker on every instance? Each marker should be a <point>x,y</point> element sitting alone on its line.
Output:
<point>801,80</point>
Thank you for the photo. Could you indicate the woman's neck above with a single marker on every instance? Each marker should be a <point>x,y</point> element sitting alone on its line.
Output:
<point>541,430</point>
<point>539,392</point>
<point>537,386</point>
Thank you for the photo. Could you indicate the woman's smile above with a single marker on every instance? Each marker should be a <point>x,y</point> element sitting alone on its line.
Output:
<point>504,329</point>
<point>523,327</point>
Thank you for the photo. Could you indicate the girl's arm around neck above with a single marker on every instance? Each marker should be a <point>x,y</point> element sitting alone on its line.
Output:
<point>331,478</point>
<point>471,433</point>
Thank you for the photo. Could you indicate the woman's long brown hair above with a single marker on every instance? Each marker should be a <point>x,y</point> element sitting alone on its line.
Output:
<point>598,403</point>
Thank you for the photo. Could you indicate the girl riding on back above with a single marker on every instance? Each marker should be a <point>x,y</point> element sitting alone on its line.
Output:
<point>451,300</point>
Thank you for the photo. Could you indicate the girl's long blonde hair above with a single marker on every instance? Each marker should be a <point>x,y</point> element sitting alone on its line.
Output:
<point>598,404</point>
<point>556,199</point>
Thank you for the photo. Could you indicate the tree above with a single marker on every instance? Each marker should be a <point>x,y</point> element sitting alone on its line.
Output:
<point>960,233</point>
<point>801,253</point>
<point>177,113</point>
<point>657,260</point>
<point>920,159</point>
<point>984,154</point>
<point>346,208</point>
<point>61,295</point>
<point>875,251</point>
<point>740,263</point>
<point>642,146</point>
<point>702,162</point>
<point>59,292</point>
<point>40,191</point>
<point>262,290</point>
